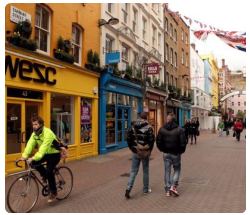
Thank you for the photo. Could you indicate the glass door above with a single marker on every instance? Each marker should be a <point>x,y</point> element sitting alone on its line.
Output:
<point>18,129</point>
<point>15,131</point>
<point>123,123</point>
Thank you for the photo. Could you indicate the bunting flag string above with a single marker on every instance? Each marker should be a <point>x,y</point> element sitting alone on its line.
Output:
<point>234,39</point>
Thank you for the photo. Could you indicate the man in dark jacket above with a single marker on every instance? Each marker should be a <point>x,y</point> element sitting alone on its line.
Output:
<point>171,141</point>
<point>140,141</point>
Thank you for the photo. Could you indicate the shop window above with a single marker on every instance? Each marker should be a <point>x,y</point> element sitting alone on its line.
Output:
<point>134,102</point>
<point>62,107</point>
<point>86,120</point>
<point>42,28</point>
<point>110,124</point>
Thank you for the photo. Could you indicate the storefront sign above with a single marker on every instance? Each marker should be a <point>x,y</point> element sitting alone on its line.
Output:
<point>112,58</point>
<point>152,68</point>
<point>26,68</point>
<point>155,97</point>
<point>17,15</point>
<point>85,114</point>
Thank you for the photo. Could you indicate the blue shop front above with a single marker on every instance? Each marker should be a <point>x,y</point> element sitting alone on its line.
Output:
<point>120,103</point>
<point>184,113</point>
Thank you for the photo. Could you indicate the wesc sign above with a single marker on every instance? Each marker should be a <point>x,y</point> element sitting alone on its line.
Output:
<point>152,68</point>
<point>25,68</point>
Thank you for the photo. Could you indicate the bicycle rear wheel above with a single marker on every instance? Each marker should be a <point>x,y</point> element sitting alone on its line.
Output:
<point>22,194</point>
<point>64,182</point>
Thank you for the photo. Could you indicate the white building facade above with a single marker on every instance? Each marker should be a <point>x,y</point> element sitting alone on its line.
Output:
<point>201,100</point>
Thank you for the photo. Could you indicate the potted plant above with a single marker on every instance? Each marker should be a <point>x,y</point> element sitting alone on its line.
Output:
<point>93,61</point>
<point>21,36</point>
<point>63,51</point>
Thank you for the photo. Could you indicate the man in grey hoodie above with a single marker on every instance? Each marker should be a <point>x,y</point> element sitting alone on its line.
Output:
<point>171,141</point>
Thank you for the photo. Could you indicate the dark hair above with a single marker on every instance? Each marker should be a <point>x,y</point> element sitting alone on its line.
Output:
<point>144,115</point>
<point>171,114</point>
<point>38,119</point>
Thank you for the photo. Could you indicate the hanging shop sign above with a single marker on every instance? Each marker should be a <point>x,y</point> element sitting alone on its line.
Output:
<point>152,68</point>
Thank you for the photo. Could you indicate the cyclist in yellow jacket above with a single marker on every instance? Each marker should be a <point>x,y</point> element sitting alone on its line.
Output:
<point>43,138</point>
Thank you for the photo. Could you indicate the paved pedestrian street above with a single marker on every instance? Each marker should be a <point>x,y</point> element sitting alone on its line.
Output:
<point>213,179</point>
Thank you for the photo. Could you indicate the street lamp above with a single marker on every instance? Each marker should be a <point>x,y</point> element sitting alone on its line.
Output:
<point>111,21</point>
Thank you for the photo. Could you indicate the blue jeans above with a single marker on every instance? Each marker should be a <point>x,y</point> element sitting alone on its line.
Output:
<point>134,170</point>
<point>169,161</point>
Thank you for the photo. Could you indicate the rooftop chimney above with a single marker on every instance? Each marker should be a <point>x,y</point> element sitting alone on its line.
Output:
<point>193,45</point>
<point>223,62</point>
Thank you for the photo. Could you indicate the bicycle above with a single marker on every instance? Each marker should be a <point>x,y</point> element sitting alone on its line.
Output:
<point>23,193</point>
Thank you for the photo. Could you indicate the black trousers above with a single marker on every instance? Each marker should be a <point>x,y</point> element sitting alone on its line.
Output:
<point>51,161</point>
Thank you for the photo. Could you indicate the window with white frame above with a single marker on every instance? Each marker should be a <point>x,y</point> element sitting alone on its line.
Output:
<point>42,28</point>
<point>125,12</point>
<point>186,39</point>
<point>135,20</point>
<point>175,59</point>
<point>110,7</point>
<point>167,51</point>
<point>76,43</point>
<point>109,43</point>
<point>125,56</point>
<point>175,35</point>
<point>182,56</point>
<point>171,56</point>
<point>144,28</point>
<point>166,24</point>
<point>187,59</point>
<point>159,41</point>
<point>154,36</point>
<point>182,35</point>
<point>135,59</point>
<point>171,30</point>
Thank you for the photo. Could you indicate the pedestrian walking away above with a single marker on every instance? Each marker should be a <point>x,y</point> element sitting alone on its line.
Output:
<point>238,128</point>
<point>172,142</point>
<point>220,127</point>
<point>187,128</point>
<point>141,142</point>
<point>193,131</point>
<point>48,151</point>
<point>197,126</point>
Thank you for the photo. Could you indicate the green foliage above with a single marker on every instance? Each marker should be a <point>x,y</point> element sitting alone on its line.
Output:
<point>96,59</point>
<point>90,56</point>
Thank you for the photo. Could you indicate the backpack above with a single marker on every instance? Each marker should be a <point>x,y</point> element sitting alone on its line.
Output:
<point>142,151</point>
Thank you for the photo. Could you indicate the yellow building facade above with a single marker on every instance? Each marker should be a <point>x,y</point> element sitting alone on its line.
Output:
<point>215,78</point>
<point>39,83</point>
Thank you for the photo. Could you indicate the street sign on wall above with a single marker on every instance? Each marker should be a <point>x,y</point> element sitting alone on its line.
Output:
<point>152,68</point>
<point>17,15</point>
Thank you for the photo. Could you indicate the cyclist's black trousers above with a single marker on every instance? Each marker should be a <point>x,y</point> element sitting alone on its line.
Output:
<point>52,160</point>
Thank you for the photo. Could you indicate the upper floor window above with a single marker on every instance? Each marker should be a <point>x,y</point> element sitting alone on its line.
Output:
<point>159,42</point>
<point>144,28</point>
<point>182,56</point>
<point>135,20</point>
<point>109,43</point>
<point>166,24</point>
<point>110,7</point>
<point>42,28</point>
<point>125,56</point>
<point>175,59</point>
<point>175,35</point>
<point>187,59</point>
<point>76,43</point>
<point>167,52</point>
<point>182,35</point>
<point>171,56</point>
<point>186,39</point>
<point>171,30</point>
<point>125,12</point>
<point>154,36</point>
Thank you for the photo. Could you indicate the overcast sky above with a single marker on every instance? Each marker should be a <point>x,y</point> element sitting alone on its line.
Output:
<point>225,15</point>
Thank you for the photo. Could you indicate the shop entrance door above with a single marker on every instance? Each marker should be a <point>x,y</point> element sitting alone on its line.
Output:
<point>152,119</point>
<point>123,123</point>
<point>18,130</point>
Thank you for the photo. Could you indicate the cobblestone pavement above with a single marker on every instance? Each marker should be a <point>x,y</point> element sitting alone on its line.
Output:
<point>213,179</point>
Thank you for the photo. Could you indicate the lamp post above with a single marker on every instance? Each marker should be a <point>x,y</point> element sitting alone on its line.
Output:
<point>111,21</point>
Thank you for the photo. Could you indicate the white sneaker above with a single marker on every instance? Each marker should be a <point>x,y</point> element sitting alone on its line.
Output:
<point>149,191</point>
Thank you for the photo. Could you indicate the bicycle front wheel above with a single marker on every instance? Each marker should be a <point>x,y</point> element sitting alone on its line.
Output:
<point>64,182</point>
<point>23,194</point>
